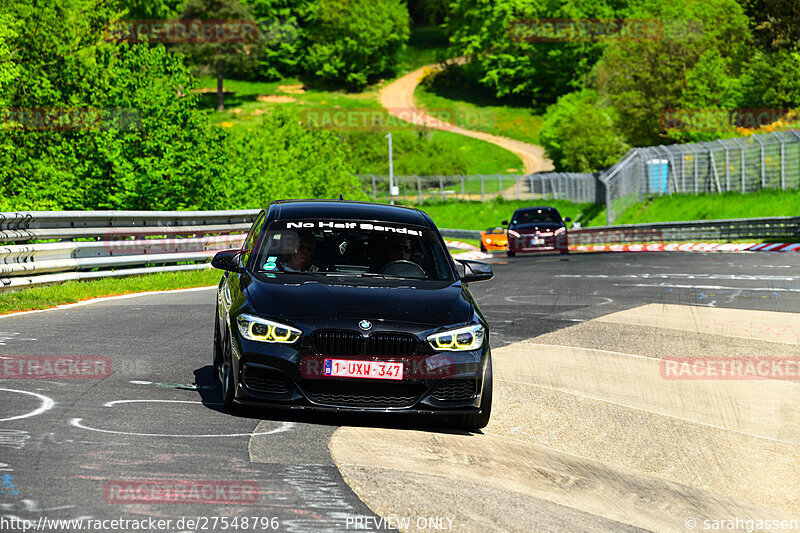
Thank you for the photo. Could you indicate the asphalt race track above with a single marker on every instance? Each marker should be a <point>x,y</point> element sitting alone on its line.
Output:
<point>587,432</point>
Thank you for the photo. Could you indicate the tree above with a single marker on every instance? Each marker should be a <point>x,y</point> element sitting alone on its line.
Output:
<point>350,42</point>
<point>222,55</point>
<point>694,66</point>
<point>503,38</point>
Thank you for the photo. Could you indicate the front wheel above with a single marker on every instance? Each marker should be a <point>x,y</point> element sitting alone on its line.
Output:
<point>480,420</point>
<point>564,251</point>
<point>228,383</point>
<point>511,254</point>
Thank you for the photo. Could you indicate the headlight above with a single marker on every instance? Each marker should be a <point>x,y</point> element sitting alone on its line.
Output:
<point>458,340</point>
<point>263,330</point>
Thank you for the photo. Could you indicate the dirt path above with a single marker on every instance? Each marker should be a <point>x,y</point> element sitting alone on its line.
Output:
<point>398,99</point>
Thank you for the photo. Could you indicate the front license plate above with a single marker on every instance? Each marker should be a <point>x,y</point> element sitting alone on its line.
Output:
<point>348,368</point>
<point>537,241</point>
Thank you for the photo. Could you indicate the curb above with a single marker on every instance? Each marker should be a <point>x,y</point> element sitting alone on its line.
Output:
<point>690,247</point>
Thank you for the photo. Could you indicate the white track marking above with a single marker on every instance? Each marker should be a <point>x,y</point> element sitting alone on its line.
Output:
<point>47,403</point>
<point>77,422</point>
<point>106,299</point>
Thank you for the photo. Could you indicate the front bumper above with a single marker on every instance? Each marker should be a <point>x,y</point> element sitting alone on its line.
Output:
<point>282,376</point>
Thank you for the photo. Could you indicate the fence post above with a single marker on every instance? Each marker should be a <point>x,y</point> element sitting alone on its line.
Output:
<point>374,191</point>
<point>500,184</point>
<point>694,168</point>
<point>713,168</point>
<point>462,186</point>
<point>517,179</point>
<point>530,185</point>
<point>783,163</point>
<point>763,163</point>
<point>727,165</point>
<point>419,190</point>
<point>483,189</point>
<point>441,188</point>
<point>741,146</point>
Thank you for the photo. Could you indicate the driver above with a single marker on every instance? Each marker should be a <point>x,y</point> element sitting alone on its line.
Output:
<point>300,259</point>
<point>398,248</point>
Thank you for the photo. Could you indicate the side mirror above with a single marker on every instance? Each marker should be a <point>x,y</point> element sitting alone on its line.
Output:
<point>567,219</point>
<point>475,270</point>
<point>228,260</point>
<point>504,223</point>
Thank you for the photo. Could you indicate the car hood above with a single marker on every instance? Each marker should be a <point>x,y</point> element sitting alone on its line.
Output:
<point>299,298</point>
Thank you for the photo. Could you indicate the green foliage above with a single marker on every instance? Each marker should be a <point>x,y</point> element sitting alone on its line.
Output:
<point>282,54</point>
<point>8,69</point>
<point>152,149</point>
<point>580,135</point>
<point>282,159</point>
<point>353,41</point>
<point>695,65</point>
<point>772,80</point>
<point>493,34</point>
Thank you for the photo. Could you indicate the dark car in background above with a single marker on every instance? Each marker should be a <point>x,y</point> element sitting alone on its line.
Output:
<point>351,306</point>
<point>537,229</point>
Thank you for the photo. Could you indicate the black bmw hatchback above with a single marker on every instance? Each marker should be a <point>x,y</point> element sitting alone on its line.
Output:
<point>351,306</point>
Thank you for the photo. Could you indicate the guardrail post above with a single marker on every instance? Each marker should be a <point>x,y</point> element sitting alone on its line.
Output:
<point>741,147</point>
<point>763,162</point>
<point>419,190</point>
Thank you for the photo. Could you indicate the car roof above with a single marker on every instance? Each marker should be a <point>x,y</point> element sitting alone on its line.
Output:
<point>341,209</point>
<point>543,208</point>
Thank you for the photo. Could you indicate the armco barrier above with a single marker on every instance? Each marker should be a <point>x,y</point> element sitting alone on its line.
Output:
<point>96,244</point>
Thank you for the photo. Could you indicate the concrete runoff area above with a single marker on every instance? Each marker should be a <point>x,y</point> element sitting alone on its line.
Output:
<point>600,433</point>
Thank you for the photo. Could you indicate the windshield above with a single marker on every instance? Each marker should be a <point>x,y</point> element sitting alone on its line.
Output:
<point>350,248</point>
<point>530,217</point>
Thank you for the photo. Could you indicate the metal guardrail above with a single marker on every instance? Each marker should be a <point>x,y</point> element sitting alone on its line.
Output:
<point>775,228</point>
<point>96,244</point>
<point>119,243</point>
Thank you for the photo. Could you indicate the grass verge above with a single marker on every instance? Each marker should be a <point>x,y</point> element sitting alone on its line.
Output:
<point>684,207</point>
<point>77,291</point>
<point>472,106</point>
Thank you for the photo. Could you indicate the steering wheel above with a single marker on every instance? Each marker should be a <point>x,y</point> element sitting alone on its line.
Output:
<point>403,268</point>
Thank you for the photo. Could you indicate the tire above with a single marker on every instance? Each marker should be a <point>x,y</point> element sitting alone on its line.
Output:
<point>480,420</point>
<point>483,248</point>
<point>564,251</point>
<point>511,254</point>
<point>228,383</point>
<point>216,359</point>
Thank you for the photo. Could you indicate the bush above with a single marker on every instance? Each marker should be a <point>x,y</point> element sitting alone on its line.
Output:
<point>580,135</point>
